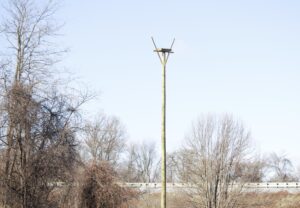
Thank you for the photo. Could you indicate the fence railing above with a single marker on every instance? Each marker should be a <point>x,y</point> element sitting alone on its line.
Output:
<point>264,186</point>
<point>187,185</point>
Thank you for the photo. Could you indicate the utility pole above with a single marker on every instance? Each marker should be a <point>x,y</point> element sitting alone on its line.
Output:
<point>163,55</point>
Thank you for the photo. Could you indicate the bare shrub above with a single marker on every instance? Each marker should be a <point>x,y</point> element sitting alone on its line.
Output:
<point>100,190</point>
<point>40,148</point>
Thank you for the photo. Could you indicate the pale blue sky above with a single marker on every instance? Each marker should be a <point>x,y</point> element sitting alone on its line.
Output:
<point>237,57</point>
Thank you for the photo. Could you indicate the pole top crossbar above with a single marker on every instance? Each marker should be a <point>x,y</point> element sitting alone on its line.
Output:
<point>164,50</point>
<point>163,53</point>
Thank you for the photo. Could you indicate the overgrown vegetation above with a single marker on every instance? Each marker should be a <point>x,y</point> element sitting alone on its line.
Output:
<point>99,190</point>
<point>40,119</point>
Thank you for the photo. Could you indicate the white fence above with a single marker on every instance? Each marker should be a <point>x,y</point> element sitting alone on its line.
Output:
<point>264,187</point>
<point>292,187</point>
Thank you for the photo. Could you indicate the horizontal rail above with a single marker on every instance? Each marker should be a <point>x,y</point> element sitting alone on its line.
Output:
<point>187,185</point>
<point>292,187</point>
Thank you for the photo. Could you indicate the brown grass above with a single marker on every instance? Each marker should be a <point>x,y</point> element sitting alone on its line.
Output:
<point>248,200</point>
<point>272,200</point>
<point>174,200</point>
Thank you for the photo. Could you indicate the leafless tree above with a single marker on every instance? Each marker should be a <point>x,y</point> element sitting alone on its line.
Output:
<point>172,170</point>
<point>281,167</point>
<point>214,149</point>
<point>251,170</point>
<point>105,139</point>
<point>30,31</point>
<point>142,164</point>
<point>128,171</point>
<point>38,121</point>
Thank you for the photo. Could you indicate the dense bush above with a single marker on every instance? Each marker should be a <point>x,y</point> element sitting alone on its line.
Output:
<point>100,190</point>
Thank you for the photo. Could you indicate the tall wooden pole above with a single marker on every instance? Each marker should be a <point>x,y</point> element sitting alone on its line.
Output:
<point>163,54</point>
<point>163,202</point>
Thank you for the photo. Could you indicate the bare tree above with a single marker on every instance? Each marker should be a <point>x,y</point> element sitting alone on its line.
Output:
<point>252,169</point>
<point>38,121</point>
<point>142,164</point>
<point>172,174</point>
<point>30,31</point>
<point>281,167</point>
<point>105,139</point>
<point>128,170</point>
<point>214,149</point>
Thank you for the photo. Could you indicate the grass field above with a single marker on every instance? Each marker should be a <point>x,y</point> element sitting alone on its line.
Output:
<point>249,200</point>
